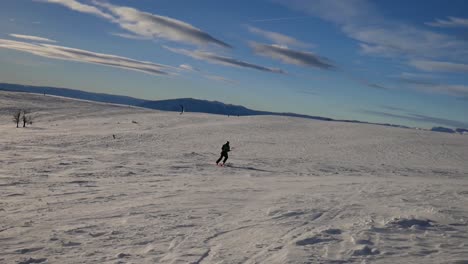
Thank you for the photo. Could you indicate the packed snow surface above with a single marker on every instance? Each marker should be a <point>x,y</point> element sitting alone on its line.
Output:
<point>294,190</point>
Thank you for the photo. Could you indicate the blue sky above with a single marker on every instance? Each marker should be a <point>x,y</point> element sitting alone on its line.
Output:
<point>401,62</point>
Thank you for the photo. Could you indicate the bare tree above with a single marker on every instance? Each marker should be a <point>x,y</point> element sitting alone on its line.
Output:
<point>17,117</point>
<point>27,118</point>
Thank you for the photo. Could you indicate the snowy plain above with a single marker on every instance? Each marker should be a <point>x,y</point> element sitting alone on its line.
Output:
<point>295,190</point>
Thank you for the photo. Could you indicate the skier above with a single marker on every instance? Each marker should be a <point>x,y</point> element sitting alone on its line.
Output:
<point>224,153</point>
<point>181,109</point>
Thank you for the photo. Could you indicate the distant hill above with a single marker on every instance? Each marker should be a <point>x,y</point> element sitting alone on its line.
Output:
<point>443,129</point>
<point>190,105</point>
<point>215,107</point>
<point>201,106</point>
<point>77,94</point>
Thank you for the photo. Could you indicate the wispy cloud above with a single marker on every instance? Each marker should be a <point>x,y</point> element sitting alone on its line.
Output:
<point>222,60</point>
<point>80,7</point>
<point>394,108</point>
<point>457,90</point>
<point>277,38</point>
<point>130,36</point>
<point>278,19</point>
<point>377,86</point>
<point>366,82</point>
<point>84,56</point>
<point>144,24</point>
<point>420,118</point>
<point>213,77</point>
<point>430,84</point>
<point>450,22</point>
<point>415,78</point>
<point>220,79</point>
<point>416,81</point>
<point>187,67</point>
<point>306,92</point>
<point>361,21</point>
<point>290,56</point>
<point>439,66</point>
<point>34,38</point>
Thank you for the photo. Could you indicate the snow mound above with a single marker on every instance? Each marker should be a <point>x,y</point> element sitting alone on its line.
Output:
<point>365,250</point>
<point>411,223</point>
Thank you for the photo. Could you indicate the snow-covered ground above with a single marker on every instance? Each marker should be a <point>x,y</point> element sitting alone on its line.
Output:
<point>296,190</point>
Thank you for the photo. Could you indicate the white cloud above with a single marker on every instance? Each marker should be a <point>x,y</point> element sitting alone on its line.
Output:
<point>143,24</point>
<point>290,56</point>
<point>150,25</point>
<point>188,67</point>
<point>361,21</point>
<point>277,38</point>
<point>439,66</point>
<point>452,90</point>
<point>220,79</point>
<point>130,36</point>
<point>278,19</point>
<point>77,6</point>
<point>450,22</point>
<point>337,11</point>
<point>222,60</point>
<point>419,118</point>
<point>430,84</point>
<point>34,38</point>
<point>84,56</point>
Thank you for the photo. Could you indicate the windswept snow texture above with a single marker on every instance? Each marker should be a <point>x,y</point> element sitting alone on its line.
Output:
<point>295,190</point>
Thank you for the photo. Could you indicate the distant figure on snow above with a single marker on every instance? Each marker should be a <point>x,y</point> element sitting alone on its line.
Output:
<point>224,153</point>
<point>182,109</point>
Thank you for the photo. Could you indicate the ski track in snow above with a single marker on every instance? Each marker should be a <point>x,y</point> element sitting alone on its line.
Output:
<point>295,190</point>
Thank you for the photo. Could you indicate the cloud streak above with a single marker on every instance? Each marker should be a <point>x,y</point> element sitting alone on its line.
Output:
<point>439,66</point>
<point>450,22</point>
<point>220,79</point>
<point>130,36</point>
<point>290,56</point>
<point>377,86</point>
<point>279,19</point>
<point>144,24</point>
<point>222,60</point>
<point>361,21</point>
<point>277,38</point>
<point>190,68</point>
<point>84,56</point>
<point>187,67</point>
<point>79,7</point>
<point>420,118</point>
<point>427,84</point>
<point>457,90</point>
<point>33,38</point>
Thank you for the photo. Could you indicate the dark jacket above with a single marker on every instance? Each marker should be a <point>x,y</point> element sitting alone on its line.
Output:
<point>226,148</point>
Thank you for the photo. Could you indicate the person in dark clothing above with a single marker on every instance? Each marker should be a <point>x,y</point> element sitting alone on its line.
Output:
<point>224,153</point>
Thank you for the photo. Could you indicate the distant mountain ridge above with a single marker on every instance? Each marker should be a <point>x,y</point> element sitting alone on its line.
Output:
<point>214,107</point>
<point>190,104</point>
<point>77,94</point>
